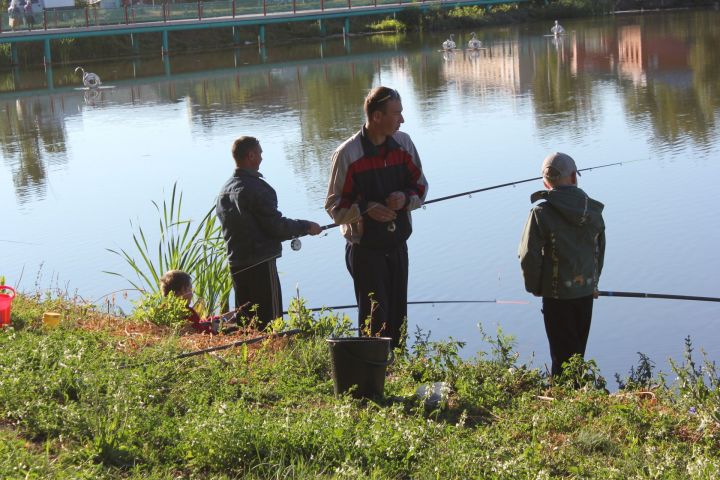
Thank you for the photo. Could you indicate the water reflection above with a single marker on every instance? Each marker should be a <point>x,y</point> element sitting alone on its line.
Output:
<point>662,71</point>
<point>32,137</point>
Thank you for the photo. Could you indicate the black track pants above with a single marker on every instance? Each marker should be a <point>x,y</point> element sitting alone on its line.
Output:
<point>259,285</point>
<point>567,324</point>
<point>384,274</point>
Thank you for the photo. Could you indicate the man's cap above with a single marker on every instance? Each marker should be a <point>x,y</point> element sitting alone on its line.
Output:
<point>561,162</point>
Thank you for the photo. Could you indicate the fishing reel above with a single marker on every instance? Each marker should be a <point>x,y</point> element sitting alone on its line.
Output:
<point>295,244</point>
<point>391,227</point>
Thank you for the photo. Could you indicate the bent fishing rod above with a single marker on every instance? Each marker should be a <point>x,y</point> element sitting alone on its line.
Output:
<point>419,302</point>
<point>247,341</point>
<point>501,185</point>
<point>666,296</point>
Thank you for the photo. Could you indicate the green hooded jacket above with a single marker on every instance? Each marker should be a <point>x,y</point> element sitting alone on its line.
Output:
<point>563,245</point>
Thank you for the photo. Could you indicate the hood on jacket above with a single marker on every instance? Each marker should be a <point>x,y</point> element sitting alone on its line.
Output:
<point>573,204</point>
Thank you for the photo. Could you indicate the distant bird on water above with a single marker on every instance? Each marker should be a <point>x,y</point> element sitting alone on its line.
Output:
<point>449,44</point>
<point>557,29</point>
<point>474,43</point>
<point>90,80</point>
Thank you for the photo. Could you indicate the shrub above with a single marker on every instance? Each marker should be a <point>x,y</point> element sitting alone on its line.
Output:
<point>170,311</point>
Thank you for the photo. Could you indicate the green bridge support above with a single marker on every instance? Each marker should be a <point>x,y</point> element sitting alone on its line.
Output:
<point>13,54</point>
<point>236,35</point>
<point>165,43</point>
<point>49,76</point>
<point>261,35</point>
<point>346,29</point>
<point>47,55</point>
<point>322,27</point>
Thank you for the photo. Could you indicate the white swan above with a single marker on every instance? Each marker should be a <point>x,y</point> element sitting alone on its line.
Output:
<point>474,43</point>
<point>449,44</point>
<point>90,80</point>
<point>557,29</point>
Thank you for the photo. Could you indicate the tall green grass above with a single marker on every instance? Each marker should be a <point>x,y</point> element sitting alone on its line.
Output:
<point>196,247</point>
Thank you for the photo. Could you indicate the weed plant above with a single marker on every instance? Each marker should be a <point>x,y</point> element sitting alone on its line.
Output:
<point>75,404</point>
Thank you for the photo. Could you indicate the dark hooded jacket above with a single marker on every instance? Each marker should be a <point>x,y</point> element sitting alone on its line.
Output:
<point>251,223</point>
<point>563,245</point>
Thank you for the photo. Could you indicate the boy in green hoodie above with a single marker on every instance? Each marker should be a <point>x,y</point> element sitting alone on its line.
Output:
<point>561,256</point>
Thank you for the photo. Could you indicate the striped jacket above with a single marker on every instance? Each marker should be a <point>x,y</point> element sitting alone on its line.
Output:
<point>363,173</point>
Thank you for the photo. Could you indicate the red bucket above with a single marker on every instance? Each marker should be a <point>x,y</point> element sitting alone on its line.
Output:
<point>5,304</point>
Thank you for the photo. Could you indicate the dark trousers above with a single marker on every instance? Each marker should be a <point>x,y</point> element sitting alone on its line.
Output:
<point>382,275</point>
<point>567,324</point>
<point>259,285</point>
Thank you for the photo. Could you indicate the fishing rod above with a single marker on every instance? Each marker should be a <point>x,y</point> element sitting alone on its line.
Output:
<point>420,302</point>
<point>295,244</point>
<point>247,341</point>
<point>604,293</point>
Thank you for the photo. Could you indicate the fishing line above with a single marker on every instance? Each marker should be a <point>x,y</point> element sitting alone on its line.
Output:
<point>18,242</point>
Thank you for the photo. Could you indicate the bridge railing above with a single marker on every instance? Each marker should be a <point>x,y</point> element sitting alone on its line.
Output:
<point>188,10</point>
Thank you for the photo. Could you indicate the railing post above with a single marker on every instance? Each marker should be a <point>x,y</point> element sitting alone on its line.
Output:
<point>95,16</point>
<point>87,18</point>
<point>294,7</point>
<point>127,20</point>
<point>264,7</point>
<point>349,3</point>
<point>199,13</point>
<point>233,8</point>
<point>322,5</point>
<point>164,6</point>
<point>45,19</point>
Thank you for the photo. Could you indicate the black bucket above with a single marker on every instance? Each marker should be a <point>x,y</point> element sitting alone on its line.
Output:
<point>361,362</point>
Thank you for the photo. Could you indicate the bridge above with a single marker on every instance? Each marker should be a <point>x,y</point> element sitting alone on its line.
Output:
<point>166,17</point>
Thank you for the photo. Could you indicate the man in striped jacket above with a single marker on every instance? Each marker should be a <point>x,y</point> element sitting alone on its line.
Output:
<point>376,180</point>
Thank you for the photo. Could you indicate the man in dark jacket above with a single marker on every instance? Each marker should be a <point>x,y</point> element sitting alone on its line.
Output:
<point>376,180</point>
<point>561,255</point>
<point>253,229</point>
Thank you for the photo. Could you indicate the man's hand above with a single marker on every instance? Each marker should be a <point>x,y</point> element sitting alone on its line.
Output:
<point>396,200</point>
<point>596,293</point>
<point>314,229</point>
<point>380,213</point>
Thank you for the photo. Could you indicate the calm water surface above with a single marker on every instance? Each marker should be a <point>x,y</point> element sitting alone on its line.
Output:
<point>77,168</point>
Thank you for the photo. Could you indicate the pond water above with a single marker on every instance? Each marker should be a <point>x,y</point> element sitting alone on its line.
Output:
<point>76,168</point>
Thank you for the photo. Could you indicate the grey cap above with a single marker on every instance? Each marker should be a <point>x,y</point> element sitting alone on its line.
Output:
<point>562,162</point>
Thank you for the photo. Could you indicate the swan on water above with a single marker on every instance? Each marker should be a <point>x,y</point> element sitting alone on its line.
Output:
<point>90,80</point>
<point>557,29</point>
<point>474,43</point>
<point>449,44</point>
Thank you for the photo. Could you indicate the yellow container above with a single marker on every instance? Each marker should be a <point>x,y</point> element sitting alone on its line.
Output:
<point>51,319</point>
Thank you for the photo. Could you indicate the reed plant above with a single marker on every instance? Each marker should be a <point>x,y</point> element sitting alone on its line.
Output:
<point>183,244</point>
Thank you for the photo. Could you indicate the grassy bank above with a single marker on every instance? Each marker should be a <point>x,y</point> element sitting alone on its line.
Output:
<point>91,400</point>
